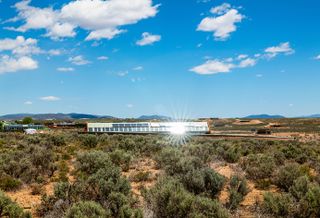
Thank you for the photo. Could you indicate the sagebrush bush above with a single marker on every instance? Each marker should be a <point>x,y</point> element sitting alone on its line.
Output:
<point>287,174</point>
<point>237,190</point>
<point>260,166</point>
<point>278,205</point>
<point>89,141</point>
<point>7,183</point>
<point>10,209</point>
<point>87,209</point>
<point>168,198</point>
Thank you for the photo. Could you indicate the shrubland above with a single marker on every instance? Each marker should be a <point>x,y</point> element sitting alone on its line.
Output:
<point>92,176</point>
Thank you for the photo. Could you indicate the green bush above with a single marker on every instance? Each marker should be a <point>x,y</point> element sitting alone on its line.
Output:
<point>89,141</point>
<point>87,209</point>
<point>237,190</point>
<point>168,198</point>
<point>10,209</point>
<point>140,176</point>
<point>121,159</point>
<point>260,166</point>
<point>299,187</point>
<point>277,204</point>
<point>287,174</point>
<point>91,162</point>
<point>7,183</point>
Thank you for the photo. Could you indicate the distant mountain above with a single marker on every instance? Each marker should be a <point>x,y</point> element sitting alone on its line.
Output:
<point>52,116</point>
<point>264,116</point>
<point>312,116</point>
<point>153,117</point>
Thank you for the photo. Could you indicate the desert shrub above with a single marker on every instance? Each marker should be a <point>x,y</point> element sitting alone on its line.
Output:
<point>299,187</point>
<point>37,189</point>
<point>121,158</point>
<point>204,151</point>
<point>87,209</point>
<point>310,205</point>
<point>287,174</point>
<point>89,141</point>
<point>258,166</point>
<point>168,198</point>
<point>140,176</point>
<point>119,206</point>
<point>63,170</point>
<point>277,204</point>
<point>237,190</point>
<point>7,183</point>
<point>230,153</point>
<point>8,208</point>
<point>57,140</point>
<point>91,162</point>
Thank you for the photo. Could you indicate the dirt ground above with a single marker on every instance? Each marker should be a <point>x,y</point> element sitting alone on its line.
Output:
<point>142,165</point>
<point>250,200</point>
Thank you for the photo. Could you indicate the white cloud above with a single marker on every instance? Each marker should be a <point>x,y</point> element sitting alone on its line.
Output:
<point>103,19</point>
<point>54,52</point>
<point>129,105</point>
<point>241,61</point>
<point>221,9</point>
<point>138,68</point>
<point>50,98</point>
<point>259,75</point>
<point>78,60</point>
<point>123,73</point>
<point>28,103</point>
<point>249,62</point>
<point>65,69</point>
<point>223,24</point>
<point>282,48</point>
<point>213,67</point>
<point>102,58</point>
<point>317,57</point>
<point>148,39</point>
<point>13,64</point>
<point>20,46</point>
<point>242,56</point>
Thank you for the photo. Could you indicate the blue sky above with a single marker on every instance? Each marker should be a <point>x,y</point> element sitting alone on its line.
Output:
<point>185,58</point>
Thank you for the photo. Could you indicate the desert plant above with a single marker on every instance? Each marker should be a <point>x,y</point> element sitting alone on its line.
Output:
<point>287,174</point>
<point>89,141</point>
<point>277,204</point>
<point>9,209</point>
<point>87,209</point>
<point>237,190</point>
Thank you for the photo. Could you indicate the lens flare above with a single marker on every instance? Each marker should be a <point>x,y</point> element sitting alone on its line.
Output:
<point>177,129</point>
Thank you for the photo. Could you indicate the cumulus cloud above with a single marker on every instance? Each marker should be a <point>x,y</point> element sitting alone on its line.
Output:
<point>103,19</point>
<point>249,62</point>
<point>65,69</point>
<point>13,64</point>
<point>102,58</point>
<point>123,73</point>
<point>317,57</point>
<point>213,67</point>
<point>282,48</point>
<point>50,98</point>
<point>28,102</point>
<point>129,105</point>
<point>78,60</point>
<point>20,46</point>
<point>223,24</point>
<point>216,66</point>
<point>148,39</point>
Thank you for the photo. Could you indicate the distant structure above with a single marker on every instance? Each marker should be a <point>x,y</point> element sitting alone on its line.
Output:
<point>21,127</point>
<point>177,128</point>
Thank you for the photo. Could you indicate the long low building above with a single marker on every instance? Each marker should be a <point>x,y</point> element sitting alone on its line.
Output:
<point>177,128</point>
<point>21,127</point>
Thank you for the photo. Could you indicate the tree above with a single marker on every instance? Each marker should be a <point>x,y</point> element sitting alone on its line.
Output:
<point>27,120</point>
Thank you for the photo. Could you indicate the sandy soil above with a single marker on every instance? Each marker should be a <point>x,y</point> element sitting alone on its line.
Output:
<point>142,165</point>
<point>250,122</point>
